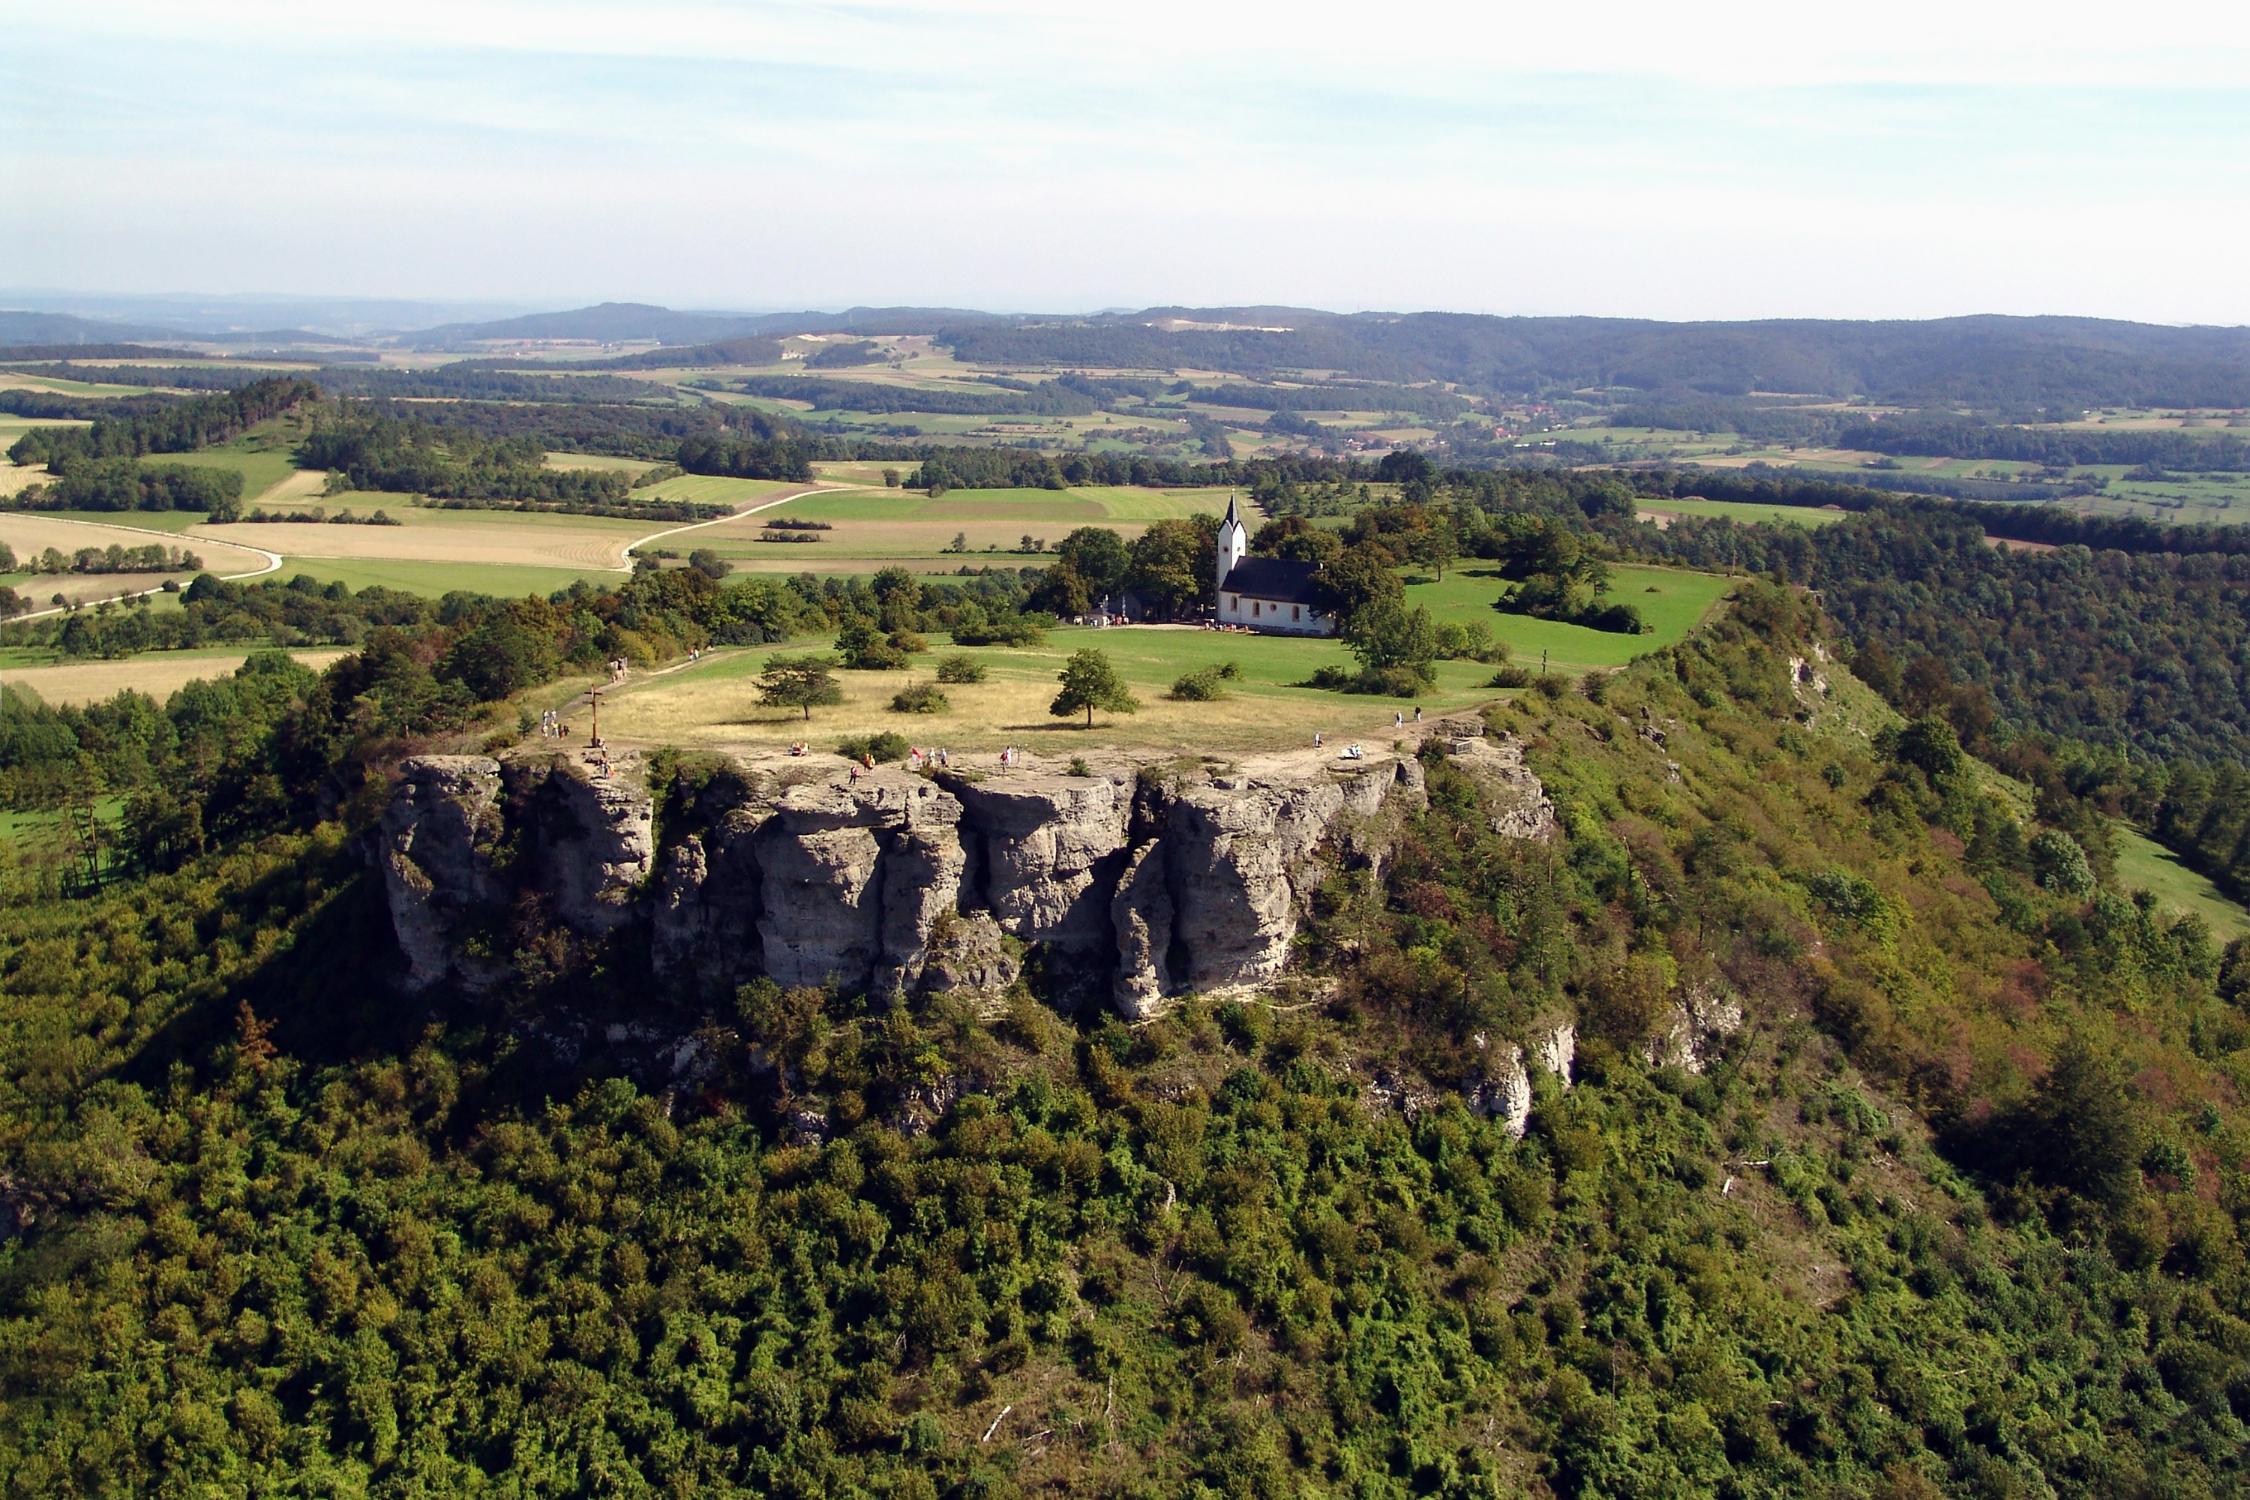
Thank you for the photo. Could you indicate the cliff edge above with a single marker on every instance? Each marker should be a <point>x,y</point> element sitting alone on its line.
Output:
<point>1134,884</point>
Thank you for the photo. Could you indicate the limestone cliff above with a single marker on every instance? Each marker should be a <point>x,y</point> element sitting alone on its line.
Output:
<point>1132,885</point>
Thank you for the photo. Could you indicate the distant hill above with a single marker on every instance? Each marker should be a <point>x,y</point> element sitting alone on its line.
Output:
<point>1981,361</point>
<point>624,322</point>
<point>607,322</point>
<point>63,328</point>
<point>17,353</point>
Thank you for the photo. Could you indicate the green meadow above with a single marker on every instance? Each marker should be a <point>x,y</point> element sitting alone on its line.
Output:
<point>2145,865</point>
<point>1744,511</point>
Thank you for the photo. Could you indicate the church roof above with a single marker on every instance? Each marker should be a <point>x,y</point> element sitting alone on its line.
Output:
<point>1284,580</point>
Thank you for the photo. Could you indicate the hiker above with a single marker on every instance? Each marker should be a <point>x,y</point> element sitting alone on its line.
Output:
<point>1417,713</point>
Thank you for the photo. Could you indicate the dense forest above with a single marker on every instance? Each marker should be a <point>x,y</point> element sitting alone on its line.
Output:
<point>1957,1211</point>
<point>1947,434</point>
<point>120,484</point>
<point>173,427</point>
<point>1993,362</point>
<point>1055,398</point>
<point>368,451</point>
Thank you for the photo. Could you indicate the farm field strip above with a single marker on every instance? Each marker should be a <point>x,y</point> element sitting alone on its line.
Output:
<point>157,673</point>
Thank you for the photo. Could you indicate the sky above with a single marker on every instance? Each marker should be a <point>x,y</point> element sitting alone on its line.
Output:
<point>1721,160</point>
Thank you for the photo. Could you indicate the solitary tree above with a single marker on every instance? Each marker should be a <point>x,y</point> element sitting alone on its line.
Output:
<point>1090,682</point>
<point>799,682</point>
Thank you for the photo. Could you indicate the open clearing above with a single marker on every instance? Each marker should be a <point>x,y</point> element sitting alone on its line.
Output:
<point>2145,865</point>
<point>16,478</point>
<point>263,463</point>
<point>714,704</point>
<point>157,673</point>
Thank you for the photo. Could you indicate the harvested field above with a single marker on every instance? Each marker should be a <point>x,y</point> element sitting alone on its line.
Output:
<point>16,478</point>
<point>85,588</point>
<point>157,673</point>
<point>33,532</point>
<point>449,536</point>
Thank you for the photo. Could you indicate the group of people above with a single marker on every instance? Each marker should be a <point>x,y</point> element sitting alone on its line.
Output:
<point>919,759</point>
<point>551,725</point>
<point>1398,717</point>
<point>616,670</point>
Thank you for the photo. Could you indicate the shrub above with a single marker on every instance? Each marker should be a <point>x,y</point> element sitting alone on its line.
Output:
<point>1027,629</point>
<point>921,698</point>
<point>960,669</point>
<point>1404,680</point>
<point>1078,766</point>
<point>889,745</point>
<point>2059,864</point>
<point>1200,686</point>
<point>1510,677</point>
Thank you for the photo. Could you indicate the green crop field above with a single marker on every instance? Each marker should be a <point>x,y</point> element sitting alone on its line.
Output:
<point>1745,511</point>
<point>714,489</point>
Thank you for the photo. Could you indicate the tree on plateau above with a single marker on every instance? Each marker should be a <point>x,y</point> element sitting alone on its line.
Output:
<point>1090,682</point>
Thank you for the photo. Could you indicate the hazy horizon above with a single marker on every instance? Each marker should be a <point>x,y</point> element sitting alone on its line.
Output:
<point>1003,154</point>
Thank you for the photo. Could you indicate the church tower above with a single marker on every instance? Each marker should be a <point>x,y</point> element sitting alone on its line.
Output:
<point>1234,540</point>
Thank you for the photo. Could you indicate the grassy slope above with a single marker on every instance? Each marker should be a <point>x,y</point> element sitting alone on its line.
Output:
<point>2145,865</point>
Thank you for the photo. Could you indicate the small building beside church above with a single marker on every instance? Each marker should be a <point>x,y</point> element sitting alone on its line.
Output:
<point>1273,595</point>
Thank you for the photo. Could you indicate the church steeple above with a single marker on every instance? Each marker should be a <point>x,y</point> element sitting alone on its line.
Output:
<point>1234,539</point>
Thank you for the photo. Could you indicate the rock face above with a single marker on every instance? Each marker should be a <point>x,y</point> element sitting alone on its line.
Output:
<point>1520,807</point>
<point>436,847</point>
<point>1504,1092</point>
<point>1696,1025</point>
<point>1133,887</point>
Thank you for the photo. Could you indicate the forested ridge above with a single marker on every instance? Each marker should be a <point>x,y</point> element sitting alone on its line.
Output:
<point>1959,1210</point>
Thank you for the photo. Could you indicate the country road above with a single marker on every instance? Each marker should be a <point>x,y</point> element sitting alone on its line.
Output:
<point>272,565</point>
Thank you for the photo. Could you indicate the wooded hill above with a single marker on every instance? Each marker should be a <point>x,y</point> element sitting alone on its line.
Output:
<point>1959,1210</point>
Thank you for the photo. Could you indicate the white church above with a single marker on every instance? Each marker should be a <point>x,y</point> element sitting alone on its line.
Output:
<point>1269,594</point>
